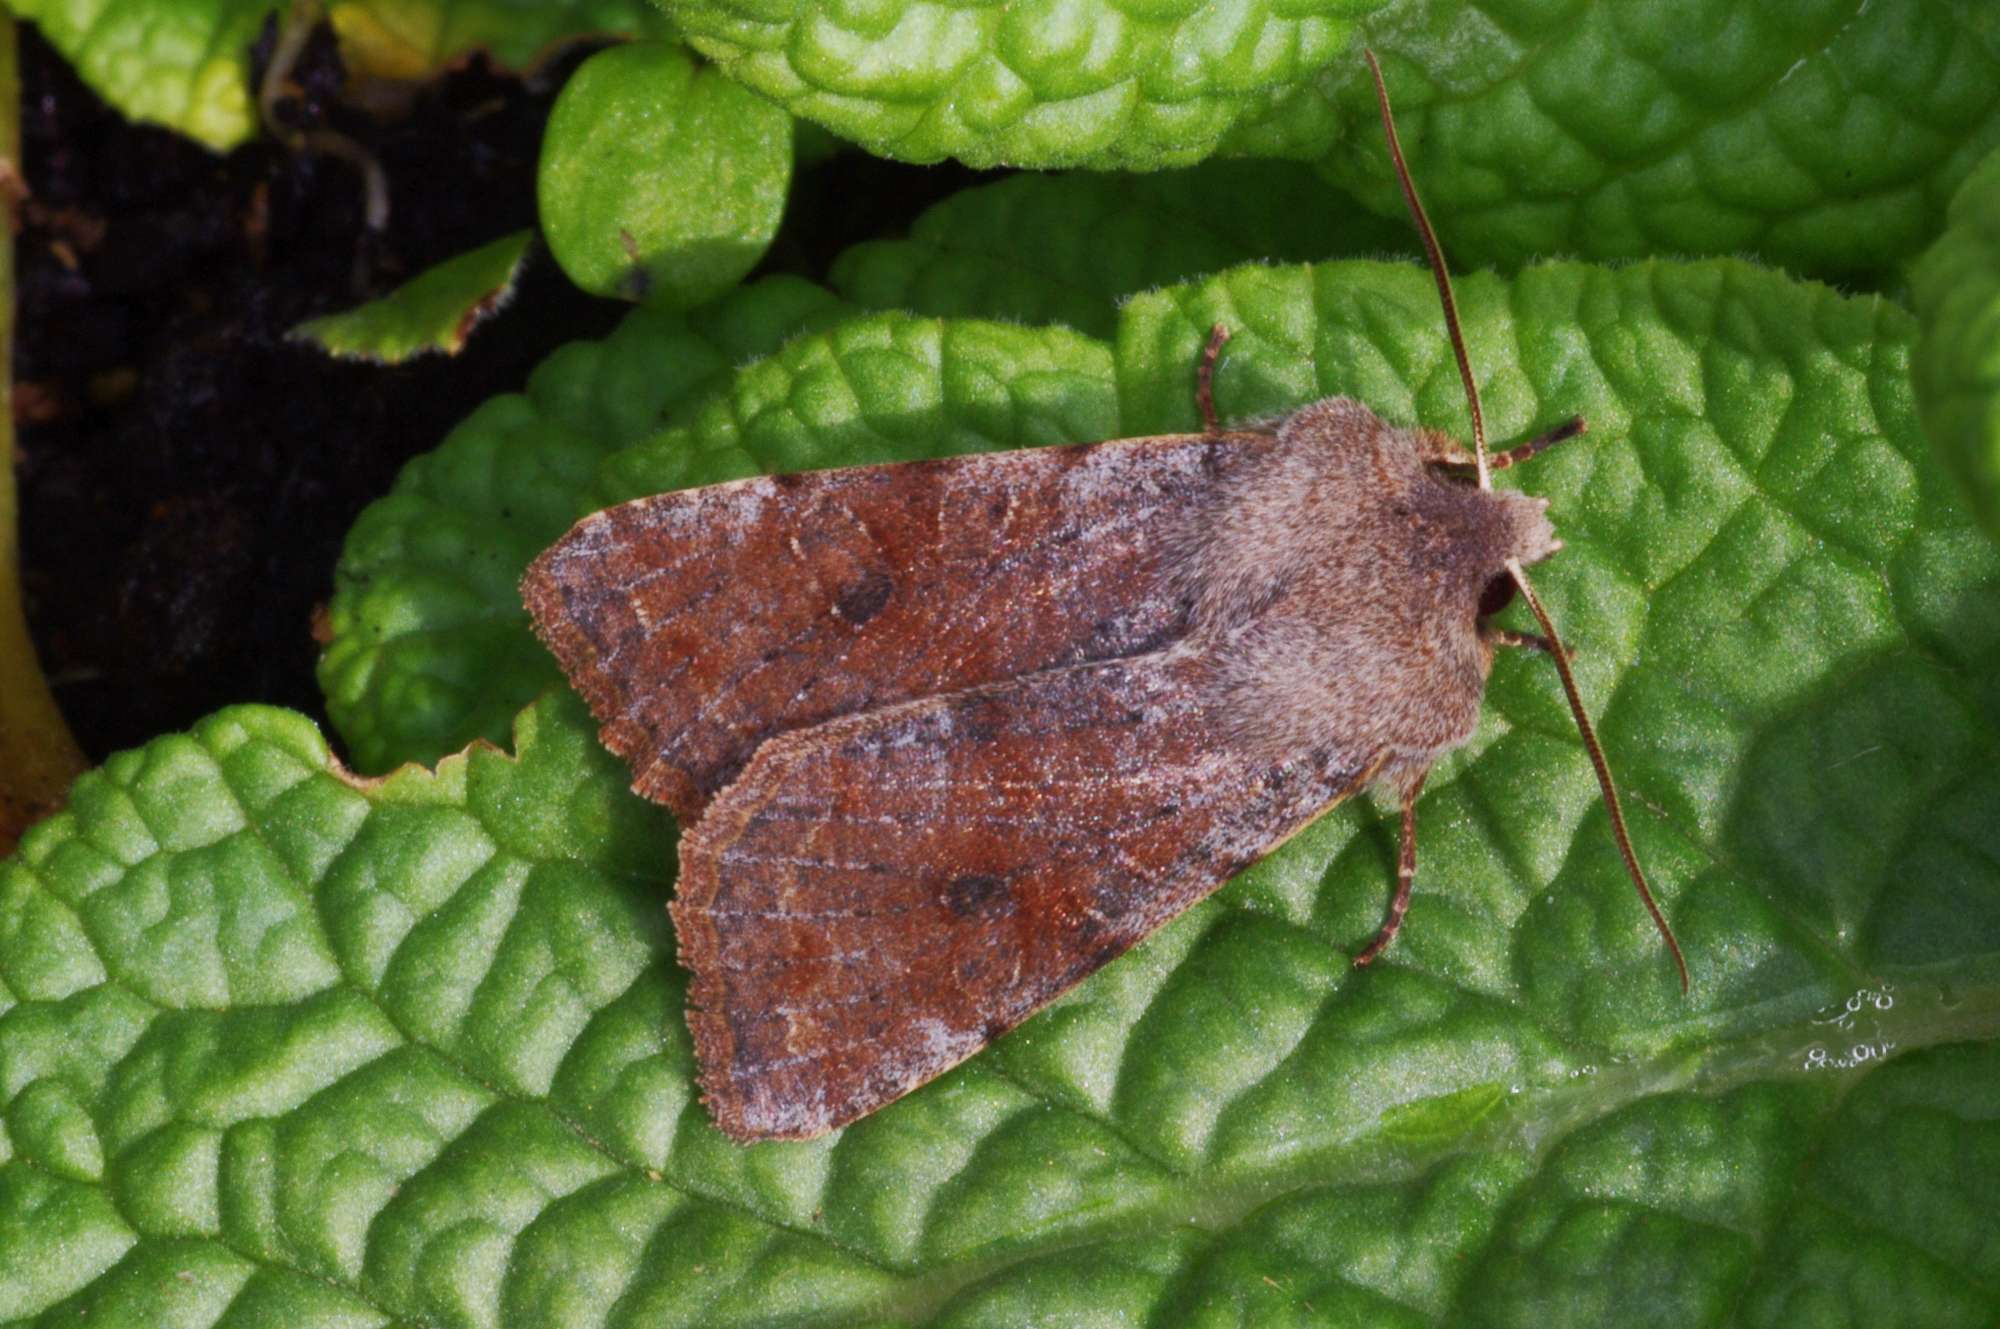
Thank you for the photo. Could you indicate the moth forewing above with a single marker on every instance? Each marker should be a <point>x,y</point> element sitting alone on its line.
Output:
<point>878,897</point>
<point>697,624</point>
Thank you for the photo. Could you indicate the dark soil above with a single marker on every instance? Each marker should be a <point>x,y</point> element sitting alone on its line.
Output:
<point>187,474</point>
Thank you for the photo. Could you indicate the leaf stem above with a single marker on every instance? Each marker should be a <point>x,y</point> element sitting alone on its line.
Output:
<point>38,757</point>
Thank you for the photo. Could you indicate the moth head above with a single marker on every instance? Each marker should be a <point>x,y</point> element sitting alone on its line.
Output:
<point>1525,537</point>
<point>1532,537</point>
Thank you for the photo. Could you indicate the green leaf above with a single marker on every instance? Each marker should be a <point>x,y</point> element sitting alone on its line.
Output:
<point>1787,629</point>
<point>1782,615</point>
<point>285,1047</point>
<point>881,387</point>
<point>430,646</point>
<point>185,63</point>
<point>1044,83</point>
<point>1956,288</point>
<point>661,181</point>
<point>1825,135</point>
<point>1065,248</point>
<point>282,1045</point>
<point>434,311</point>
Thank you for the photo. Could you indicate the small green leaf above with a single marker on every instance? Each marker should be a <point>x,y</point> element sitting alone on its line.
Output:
<point>661,181</point>
<point>434,311</point>
<point>430,647</point>
<point>1956,287</point>
<point>185,63</point>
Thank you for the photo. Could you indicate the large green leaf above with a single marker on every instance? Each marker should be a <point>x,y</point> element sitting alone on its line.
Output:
<point>1956,287</point>
<point>282,1046</point>
<point>186,63</point>
<point>1043,83</point>
<point>1826,135</point>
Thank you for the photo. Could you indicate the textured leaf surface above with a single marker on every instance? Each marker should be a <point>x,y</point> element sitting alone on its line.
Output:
<point>1781,611</point>
<point>1064,248</point>
<point>1826,135</point>
<point>1045,83</point>
<point>1956,288</point>
<point>660,181</point>
<point>888,387</point>
<point>430,645</point>
<point>434,311</point>
<point>185,63</point>
<point>278,1046</point>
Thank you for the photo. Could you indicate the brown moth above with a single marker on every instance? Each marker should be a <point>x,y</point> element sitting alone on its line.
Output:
<point>945,737</point>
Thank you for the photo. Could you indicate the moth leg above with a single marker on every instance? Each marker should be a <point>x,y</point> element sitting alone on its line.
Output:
<point>1438,448</point>
<point>1204,379</point>
<point>1406,875</point>
<point>1454,457</point>
<point>1533,641</point>
<point>1569,428</point>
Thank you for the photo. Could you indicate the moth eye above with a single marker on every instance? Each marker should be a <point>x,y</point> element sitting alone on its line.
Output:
<point>1499,593</point>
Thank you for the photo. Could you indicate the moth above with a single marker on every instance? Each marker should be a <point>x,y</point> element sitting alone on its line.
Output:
<point>944,737</point>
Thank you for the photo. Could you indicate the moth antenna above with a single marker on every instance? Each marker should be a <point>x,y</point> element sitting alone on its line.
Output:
<point>1436,257</point>
<point>1560,654</point>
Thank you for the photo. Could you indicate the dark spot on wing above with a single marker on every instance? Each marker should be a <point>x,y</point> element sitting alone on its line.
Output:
<point>863,599</point>
<point>974,892</point>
